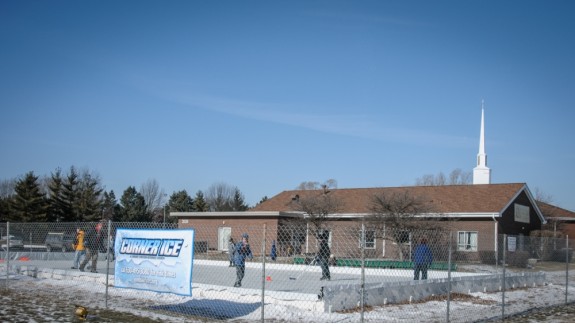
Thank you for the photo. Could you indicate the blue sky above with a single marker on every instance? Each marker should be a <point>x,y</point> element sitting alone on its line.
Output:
<point>264,95</point>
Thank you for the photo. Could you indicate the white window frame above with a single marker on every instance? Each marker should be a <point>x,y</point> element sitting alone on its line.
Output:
<point>369,245</point>
<point>467,241</point>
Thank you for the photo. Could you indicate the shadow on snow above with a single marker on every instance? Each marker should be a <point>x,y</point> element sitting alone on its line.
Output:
<point>211,308</point>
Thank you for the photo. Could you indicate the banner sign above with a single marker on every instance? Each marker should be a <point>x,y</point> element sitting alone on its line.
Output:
<point>157,260</point>
<point>511,243</point>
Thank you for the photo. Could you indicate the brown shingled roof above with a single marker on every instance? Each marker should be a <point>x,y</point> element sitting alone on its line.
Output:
<point>552,211</point>
<point>489,198</point>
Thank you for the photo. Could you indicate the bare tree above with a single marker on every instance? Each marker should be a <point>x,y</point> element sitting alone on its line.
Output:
<point>459,177</point>
<point>317,205</point>
<point>456,177</point>
<point>542,196</point>
<point>154,197</point>
<point>330,184</point>
<point>550,212</point>
<point>220,196</point>
<point>425,180</point>
<point>308,185</point>
<point>543,243</point>
<point>314,185</point>
<point>556,225</point>
<point>7,188</point>
<point>398,214</point>
<point>440,179</point>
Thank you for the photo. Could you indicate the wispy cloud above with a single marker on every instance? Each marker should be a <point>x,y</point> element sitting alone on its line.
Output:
<point>364,18</point>
<point>357,125</point>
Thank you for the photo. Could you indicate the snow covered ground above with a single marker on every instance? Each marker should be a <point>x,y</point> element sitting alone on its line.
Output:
<point>212,302</point>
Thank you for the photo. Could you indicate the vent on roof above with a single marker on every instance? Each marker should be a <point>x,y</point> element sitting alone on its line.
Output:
<point>295,198</point>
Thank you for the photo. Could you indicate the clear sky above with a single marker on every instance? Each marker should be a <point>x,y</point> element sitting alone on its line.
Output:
<point>264,95</point>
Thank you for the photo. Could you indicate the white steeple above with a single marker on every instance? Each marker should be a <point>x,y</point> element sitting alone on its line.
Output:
<point>481,173</point>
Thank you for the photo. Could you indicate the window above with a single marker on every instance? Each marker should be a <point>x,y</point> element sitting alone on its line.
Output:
<point>401,237</point>
<point>466,241</point>
<point>369,239</point>
<point>522,213</point>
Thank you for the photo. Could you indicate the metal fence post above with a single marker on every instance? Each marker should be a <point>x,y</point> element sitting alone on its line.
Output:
<point>362,285</point>
<point>449,276</point>
<point>263,274</point>
<point>503,278</point>
<point>108,260</point>
<point>7,252</point>
<point>566,267</point>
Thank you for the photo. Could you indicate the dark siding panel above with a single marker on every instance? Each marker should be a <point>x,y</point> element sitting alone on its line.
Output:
<point>511,227</point>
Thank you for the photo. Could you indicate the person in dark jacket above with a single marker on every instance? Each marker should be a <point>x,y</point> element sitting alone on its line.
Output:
<point>422,259</point>
<point>241,252</point>
<point>273,253</point>
<point>323,254</point>
<point>93,242</point>
<point>111,249</point>
<point>231,249</point>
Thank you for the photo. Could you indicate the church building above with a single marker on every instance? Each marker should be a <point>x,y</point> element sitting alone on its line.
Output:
<point>478,214</point>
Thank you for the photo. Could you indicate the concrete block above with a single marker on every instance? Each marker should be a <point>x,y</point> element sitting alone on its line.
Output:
<point>343,297</point>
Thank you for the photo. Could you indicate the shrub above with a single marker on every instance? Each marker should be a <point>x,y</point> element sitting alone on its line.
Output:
<point>487,257</point>
<point>559,255</point>
<point>517,259</point>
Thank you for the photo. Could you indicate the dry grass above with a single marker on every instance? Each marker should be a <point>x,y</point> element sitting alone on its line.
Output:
<point>455,297</point>
<point>41,306</point>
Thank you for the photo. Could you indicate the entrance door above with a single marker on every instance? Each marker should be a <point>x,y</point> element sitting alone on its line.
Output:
<point>224,234</point>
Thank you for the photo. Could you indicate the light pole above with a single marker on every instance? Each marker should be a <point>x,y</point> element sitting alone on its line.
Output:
<point>165,195</point>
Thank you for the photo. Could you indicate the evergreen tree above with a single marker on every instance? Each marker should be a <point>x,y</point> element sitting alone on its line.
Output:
<point>110,207</point>
<point>55,204</point>
<point>200,203</point>
<point>5,209</point>
<point>223,197</point>
<point>29,204</point>
<point>181,202</point>
<point>264,198</point>
<point>238,203</point>
<point>69,198</point>
<point>6,195</point>
<point>89,197</point>
<point>133,207</point>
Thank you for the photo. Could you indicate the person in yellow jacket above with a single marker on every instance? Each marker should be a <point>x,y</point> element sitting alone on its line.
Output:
<point>79,247</point>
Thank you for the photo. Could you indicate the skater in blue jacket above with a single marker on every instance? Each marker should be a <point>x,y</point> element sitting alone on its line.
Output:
<point>242,251</point>
<point>422,259</point>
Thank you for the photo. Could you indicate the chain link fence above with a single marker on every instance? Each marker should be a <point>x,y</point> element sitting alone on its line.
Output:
<point>293,274</point>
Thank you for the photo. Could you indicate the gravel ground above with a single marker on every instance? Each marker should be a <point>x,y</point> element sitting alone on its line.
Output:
<point>50,309</point>
<point>22,304</point>
<point>27,302</point>
<point>552,314</point>
<point>555,314</point>
<point>33,300</point>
